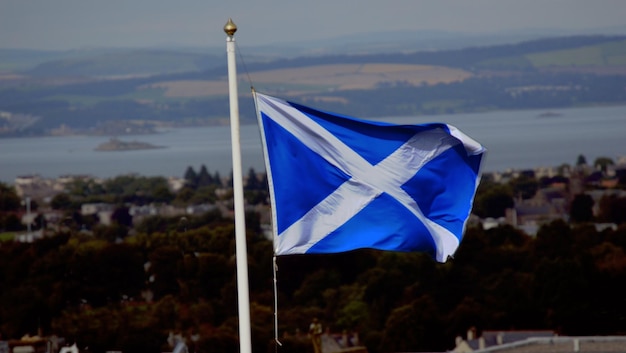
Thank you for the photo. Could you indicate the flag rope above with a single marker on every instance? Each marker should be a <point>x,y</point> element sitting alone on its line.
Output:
<point>275,270</point>
<point>245,68</point>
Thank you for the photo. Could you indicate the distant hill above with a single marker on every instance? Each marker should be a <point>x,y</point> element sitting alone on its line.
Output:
<point>472,57</point>
<point>127,64</point>
<point>88,89</point>
<point>131,61</point>
<point>363,43</point>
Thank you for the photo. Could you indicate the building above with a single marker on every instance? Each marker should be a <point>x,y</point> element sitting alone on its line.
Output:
<point>537,342</point>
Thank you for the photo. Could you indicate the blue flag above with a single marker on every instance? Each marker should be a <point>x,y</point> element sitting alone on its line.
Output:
<point>339,183</point>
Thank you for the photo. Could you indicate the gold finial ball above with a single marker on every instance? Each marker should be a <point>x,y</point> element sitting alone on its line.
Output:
<point>230,27</point>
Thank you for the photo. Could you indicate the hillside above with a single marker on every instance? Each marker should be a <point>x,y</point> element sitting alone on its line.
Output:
<point>83,94</point>
<point>126,64</point>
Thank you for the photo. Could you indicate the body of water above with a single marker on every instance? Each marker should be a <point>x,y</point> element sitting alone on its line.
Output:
<point>514,139</point>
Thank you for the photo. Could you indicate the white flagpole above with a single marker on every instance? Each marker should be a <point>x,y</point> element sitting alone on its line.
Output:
<point>245,342</point>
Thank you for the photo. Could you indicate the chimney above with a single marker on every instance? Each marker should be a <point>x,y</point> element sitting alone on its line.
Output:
<point>500,338</point>
<point>471,333</point>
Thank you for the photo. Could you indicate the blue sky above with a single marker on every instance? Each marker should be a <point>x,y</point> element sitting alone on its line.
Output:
<point>74,24</point>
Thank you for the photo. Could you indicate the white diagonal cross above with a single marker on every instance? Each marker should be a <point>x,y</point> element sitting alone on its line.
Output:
<point>366,183</point>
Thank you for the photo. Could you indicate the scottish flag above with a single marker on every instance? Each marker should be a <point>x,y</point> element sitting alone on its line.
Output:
<point>338,183</point>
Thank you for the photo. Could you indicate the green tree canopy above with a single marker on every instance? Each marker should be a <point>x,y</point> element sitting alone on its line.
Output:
<point>602,163</point>
<point>191,178</point>
<point>492,200</point>
<point>9,201</point>
<point>204,178</point>
<point>252,182</point>
<point>524,186</point>
<point>581,209</point>
<point>612,209</point>
<point>61,201</point>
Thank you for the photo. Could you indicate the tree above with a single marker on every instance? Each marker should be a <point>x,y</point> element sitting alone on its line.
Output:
<point>414,327</point>
<point>85,188</point>
<point>165,262</point>
<point>122,216</point>
<point>61,201</point>
<point>130,333</point>
<point>581,160</point>
<point>153,224</point>
<point>581,209</point>
<point>524,186</point>
<point>204,194</point>
<point>562,287</point>
<point>191,178</point>
<point>316,283</point>
<point>111,233</point>
<point>229,181</point>
<point>23,306</point>
<point>162,193</point>
<point>10,222</point>
<point>602,163</point>
<point>184,195</point>
<point>612,209</point>
<point>554,241</point>
<point>563,169</point>
<point>492,200</point>
<point>217,179</point>
<point>353,315</point>
<point>9,201</point>
<point>138,190</point>
<point>204,178</point>
<point>252,183</point>
<point>213,272</point>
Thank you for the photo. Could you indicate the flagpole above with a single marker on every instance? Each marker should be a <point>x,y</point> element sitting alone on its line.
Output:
<point>245,342</point>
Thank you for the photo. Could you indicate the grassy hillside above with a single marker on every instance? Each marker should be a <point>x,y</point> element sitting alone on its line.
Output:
<point>599,56</point>
<point>319,78</point>
<point>606,54</point>
<point>131,63</point>
<point>23,59</point>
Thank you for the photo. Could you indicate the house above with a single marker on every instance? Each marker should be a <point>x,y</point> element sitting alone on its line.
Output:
<point>32,344</point>
<point>547,205</point>
<point>342,343</point>
<point>537,341</point>
<point>103,211</point>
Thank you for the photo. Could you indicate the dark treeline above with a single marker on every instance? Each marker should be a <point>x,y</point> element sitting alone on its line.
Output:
<point>128,285</point>
<point>94,291</point>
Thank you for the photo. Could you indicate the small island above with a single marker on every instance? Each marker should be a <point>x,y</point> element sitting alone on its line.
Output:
<point>115,144</point>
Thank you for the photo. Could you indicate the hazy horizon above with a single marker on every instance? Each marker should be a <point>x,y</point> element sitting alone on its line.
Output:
<point>74,24</point>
